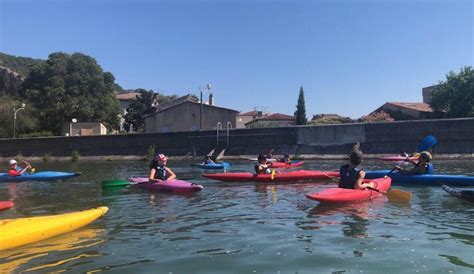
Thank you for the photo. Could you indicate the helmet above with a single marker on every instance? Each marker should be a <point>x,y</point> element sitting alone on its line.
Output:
<point>426,155</point>
<point>12,162</point>
<point>161,157</point>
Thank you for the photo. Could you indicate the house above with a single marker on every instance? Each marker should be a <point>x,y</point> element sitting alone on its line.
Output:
<point>273,120</point>
<point>245,117</point>
<point>84,129</point>
<point>125,99</point>
<point>183,114</point>
<point>406,111</point>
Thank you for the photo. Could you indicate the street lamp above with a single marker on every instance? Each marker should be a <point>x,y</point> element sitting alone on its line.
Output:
<point>15,111</point>
<point>74,120</point>
<point>208,87</point>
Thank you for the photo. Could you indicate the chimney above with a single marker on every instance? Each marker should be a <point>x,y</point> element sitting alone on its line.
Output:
<point>211,99</point>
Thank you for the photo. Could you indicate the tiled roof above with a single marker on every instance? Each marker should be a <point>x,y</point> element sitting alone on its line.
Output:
<point>422,107</point>
<point>250,113</point>
<point>127,96</point>
<point>277,116</point>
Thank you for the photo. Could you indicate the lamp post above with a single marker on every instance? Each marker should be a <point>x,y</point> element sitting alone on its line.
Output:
<point>15,111</point>
<point>73,120</point>
<point>208,87</point>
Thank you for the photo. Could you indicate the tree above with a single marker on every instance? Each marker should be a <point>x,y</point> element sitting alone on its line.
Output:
<point>71,86</point>
<point>140,107</point>
<point>25,121</point>
<point>455,96</point>
<point>376,117</point>
<point>300,112</point>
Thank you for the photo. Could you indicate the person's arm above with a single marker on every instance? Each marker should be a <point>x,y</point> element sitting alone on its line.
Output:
<point>151,177</point>
<point>171,176</point>
<point>360,181</point>
<point>28,166</point>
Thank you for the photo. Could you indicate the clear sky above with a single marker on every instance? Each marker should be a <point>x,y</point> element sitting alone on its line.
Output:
<point>351,56</point>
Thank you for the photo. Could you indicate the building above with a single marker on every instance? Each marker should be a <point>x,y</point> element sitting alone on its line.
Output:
<point>245,117</point>
<point>183,114</point>
<point>273,120</point>
<point>330,118</point>
<point>84,129</point>
<point>428,93</point>
<point>125,99</point>
<point>406,111</point>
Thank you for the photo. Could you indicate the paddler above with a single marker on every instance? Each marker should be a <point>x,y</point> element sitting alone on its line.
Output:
<point>159,171</point>
<point>350,176</point>
<point>15,170</point>
<point>263,167</point>
<point>208,160</point>
<point>422,167</point>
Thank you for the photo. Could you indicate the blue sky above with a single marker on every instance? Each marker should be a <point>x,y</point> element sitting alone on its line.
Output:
<point>350,56</point>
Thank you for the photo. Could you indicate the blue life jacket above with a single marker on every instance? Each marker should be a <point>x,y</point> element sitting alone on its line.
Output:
<point>161,173</point>
<point>348,176</point>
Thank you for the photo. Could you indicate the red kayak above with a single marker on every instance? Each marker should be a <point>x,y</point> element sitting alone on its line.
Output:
<point>175,186</point>
<point>398,158</point>
<point>285,165</point>
<point>6,205</point>
<point>341,195</point>
<point>292,176</point>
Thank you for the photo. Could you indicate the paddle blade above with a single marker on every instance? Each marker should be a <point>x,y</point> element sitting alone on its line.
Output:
<point>115,183</point>
<point>427,143</point>
<point>221,154</point>
<point>210,153</point>
<point>397,195</point>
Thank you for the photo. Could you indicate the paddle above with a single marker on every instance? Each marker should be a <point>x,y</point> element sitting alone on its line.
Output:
<point>395,195</point>
<point>115,183</point>
<point>427,143</point>
<point>32,169</point>
<point>210,152</point>
<point>221,154</point>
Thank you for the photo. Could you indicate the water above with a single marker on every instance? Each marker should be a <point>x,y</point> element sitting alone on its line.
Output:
<point>241,227</point>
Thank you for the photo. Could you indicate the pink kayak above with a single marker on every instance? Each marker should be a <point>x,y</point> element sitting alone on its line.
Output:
<point>292,176</point>
<point>285,165</point>
<point>398,158</point>
<point>6,205</point>
<point>175,186</point>
<point>342,195</point>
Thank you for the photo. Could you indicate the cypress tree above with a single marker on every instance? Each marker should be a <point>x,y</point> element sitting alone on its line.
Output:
<point>300,112</point>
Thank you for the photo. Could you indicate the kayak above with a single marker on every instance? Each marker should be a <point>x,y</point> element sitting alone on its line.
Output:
<point>268,159</point>
<point>39,176</point>
<point>463,193</point>
<point>221,165</point>
<point>6,205</point>
<point>285,165</point>
<point>343,195</point>
<point>22,231</point>
<point>174,186</point>
<point>424,179</point>
<point>398,158</point>
<point>292,176</point>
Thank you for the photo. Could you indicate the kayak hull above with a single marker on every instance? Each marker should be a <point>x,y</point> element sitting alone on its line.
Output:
<point>300,175</point>
<point>465,194</point>
<point>343,195</point>
<point>6,205</point>
<point>423,180</point>
<point>285,165</point>
<point>222,165</point>
<point>22,231</point>
<point>173,186</point>
<point>39,176</point>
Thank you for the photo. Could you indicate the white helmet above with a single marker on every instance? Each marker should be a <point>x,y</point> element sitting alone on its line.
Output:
<point>12,162</point>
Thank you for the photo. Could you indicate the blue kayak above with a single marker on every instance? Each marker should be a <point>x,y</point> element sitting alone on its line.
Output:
<point>463,193</point>
<point>39,176</point>
<point>424,179</point>
<point>221,165</point>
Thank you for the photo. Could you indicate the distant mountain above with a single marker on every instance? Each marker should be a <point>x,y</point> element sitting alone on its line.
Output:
<point>21,65</point>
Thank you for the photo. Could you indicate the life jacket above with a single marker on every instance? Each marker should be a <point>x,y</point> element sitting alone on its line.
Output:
<point>160,173</point>
<point>263,167</point>
<point>348,176</point>
<point>14,172</point>
<point>428,167</point>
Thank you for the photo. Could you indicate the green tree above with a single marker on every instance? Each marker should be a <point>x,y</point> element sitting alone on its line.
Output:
<point>455,97</point>
<point>300,112</point>
<point>71,86</point>
<point>376,117</point>
<point>25,121</point>
<point>140,107</point>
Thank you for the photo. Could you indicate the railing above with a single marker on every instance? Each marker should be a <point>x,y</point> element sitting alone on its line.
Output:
<point>229,126</point>
<point>219,126</point>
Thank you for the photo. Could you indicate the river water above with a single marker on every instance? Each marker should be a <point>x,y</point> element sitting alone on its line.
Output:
<point>241,227</point>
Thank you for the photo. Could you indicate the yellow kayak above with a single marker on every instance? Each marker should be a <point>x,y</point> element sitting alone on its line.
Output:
<point>22,231</point>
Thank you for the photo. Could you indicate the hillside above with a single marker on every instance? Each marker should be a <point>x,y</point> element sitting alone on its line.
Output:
<point>21,65</point>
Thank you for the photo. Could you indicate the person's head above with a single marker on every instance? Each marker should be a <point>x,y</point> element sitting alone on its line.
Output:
<point>355,158</point>
<point>12,163</point>
<point>425,156</point>
<point>261,159</point>
<point>161,159</point>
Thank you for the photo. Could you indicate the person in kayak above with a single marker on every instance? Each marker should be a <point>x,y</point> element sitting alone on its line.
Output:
<point>269,154</point>
<point>422,167</point>
<point>208,160</point>
<point>263,167</point>
<point>159,171</point>
<point>286,159</point>
<point>350,176</point>
<point>15,170</point>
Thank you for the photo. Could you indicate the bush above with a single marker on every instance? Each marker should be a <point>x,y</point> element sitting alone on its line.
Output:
<point>37,134</point>
<point>75,156</point>
<point>150,154</point>
<point>46,157</point>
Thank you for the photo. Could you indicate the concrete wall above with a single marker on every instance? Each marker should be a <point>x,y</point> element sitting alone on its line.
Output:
<point>455,136</point>
<point>186,117</point>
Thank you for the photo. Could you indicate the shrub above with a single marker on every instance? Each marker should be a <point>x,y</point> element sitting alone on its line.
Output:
<point>75,156</point>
